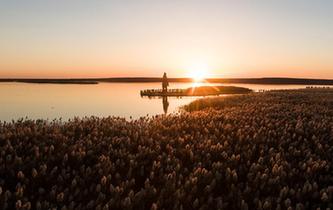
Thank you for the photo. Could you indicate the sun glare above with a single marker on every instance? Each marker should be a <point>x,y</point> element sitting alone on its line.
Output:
<point>198,72</point>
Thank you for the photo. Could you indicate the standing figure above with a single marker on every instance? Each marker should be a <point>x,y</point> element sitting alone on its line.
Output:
<point>165,83</point>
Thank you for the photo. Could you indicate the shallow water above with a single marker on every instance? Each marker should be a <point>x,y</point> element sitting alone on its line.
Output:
<point>50,101</point>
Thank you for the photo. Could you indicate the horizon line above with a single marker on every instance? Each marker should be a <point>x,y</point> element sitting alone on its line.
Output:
<point>152,77</point>
<point>263,81</point>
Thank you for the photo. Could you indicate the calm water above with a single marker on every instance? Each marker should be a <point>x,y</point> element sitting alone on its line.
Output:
<point>50,101</point>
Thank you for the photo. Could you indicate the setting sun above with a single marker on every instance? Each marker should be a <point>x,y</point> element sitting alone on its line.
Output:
<point>198,71</point>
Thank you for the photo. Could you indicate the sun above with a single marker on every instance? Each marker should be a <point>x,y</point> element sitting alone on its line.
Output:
<point>198,71</point>
<point>198,76</point>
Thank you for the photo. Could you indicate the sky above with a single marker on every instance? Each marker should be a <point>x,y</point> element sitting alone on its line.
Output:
<point>215,38</point>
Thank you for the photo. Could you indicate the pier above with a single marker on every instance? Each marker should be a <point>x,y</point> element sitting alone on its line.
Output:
<point>195,91</point>
<point>192,91</point>
<point>160,92</point>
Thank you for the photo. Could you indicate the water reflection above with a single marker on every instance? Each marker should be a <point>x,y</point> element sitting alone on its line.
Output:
<point>49,101</point>
<point>165,101</point>
<point>165,104</point>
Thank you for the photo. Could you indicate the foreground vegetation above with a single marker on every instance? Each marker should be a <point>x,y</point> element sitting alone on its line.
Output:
<point>270,150</point>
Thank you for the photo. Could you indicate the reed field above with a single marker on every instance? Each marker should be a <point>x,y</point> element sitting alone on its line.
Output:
<point>271,150</point>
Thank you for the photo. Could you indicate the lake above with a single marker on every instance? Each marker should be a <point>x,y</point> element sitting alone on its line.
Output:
<point>54,101</point>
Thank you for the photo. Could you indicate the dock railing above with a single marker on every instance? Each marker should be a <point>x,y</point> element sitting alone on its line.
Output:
<point>160,91</point>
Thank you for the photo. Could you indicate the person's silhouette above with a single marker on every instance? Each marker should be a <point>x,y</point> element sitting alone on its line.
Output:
<point>165,83</point>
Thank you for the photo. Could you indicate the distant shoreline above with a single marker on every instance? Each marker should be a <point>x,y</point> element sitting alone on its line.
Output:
<point>264,81</point>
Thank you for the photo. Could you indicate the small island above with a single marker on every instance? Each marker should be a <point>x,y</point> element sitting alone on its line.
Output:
<point>55,81</point>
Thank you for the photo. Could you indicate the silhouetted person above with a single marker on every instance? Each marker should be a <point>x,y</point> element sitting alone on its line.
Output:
<point>165,104</point>
<point>165,83</point>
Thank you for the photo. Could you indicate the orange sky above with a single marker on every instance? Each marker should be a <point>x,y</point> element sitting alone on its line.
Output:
<point>257,38</point>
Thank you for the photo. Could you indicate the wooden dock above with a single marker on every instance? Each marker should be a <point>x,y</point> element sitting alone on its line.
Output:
<point>159,92</point>
<point>195,91</point>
